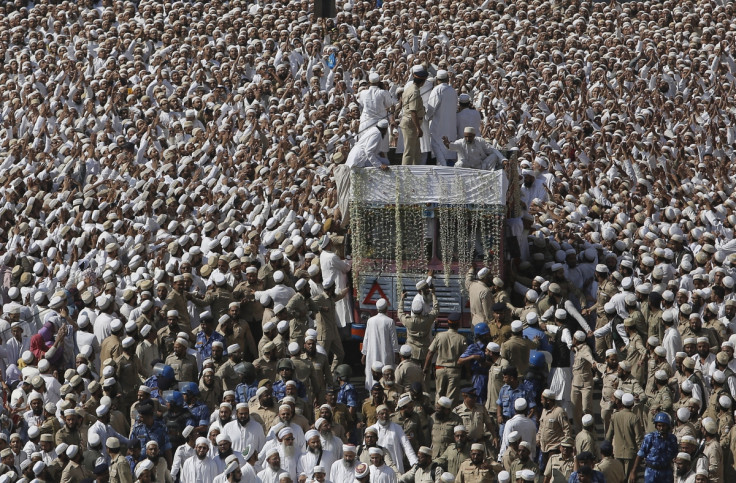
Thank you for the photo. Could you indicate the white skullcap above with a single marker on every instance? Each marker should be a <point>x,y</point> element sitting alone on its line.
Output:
<point>517,326</point>
<point>627,400</point>
<point>445,402</point>
<point>381,304</point>
<point>520,404</point>
<point>588,420</point>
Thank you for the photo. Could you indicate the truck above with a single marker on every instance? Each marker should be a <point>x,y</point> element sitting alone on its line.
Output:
<point>412,223</point>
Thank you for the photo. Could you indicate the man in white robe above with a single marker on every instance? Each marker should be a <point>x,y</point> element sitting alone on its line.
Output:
<point>199,467</point>
<point>442,117</point>
<point>288,452</point>
<point>369,151</point>
<point>272,470</point>
<point>244,431</point>
<point>391,436</point>
<point>380,342</point>
<point>315,455</point>
<point>474,152</point>
<point>334,268</point>
<point>466,116</point>
<point>375,103</point>
<point>380,473</point>
<point>344,469</point>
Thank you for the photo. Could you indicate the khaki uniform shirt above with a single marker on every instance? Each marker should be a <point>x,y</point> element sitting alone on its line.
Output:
<point>411,101</point>
<point>419,331</point>
<point>714,453</point>
<point>185,368</point>
<point>443,432</point>
<point>553,428</point>
<point>495,383</point>
<point>448,346</point>
<point>612,469</point>
<point>477,420</point>
<point>582,366</point>
<point>75,473</point>
<point>516,350</point>
<point>407,373</point>
<point>626,434</point>
<point>453,457</point>
<point>120,470</point>
<point>470,473</point>
<point>481,302</point>
<point>559,470</point>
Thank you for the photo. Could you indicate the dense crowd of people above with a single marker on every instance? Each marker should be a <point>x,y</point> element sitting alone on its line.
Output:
<point>175,253</point>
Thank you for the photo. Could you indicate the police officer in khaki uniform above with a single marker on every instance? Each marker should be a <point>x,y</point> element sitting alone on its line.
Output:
<point>636,353</point>
<point>517,348</point>
<point>119,467</point>
<point>609,375</point>
<point>661,400</point>
<point>626,432</point>
<point>74,471</point>
<point>448,346</point>
<point>457,452</point>
<point>442,426</point>
<point>554,426</point>
<point>713,452</point>
<point>495,377</point>
<point>475,470</point>
<point>412,115</point>
<point>581,393</point>
<point>409,370</point>
<point>560,466</point>
<point>475,417</point>
<point>410,422</point>
<point>611,468</point>
<point>183,364</point>
<point>480,296</point>
<point>418,326</point>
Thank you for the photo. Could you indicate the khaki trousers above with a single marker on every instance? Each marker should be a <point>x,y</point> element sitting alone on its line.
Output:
<point>448,383</point>
<point>582,403</point>
<point>412,149</point>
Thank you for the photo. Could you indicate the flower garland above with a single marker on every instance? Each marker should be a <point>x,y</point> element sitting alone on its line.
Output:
<point>399,241</point>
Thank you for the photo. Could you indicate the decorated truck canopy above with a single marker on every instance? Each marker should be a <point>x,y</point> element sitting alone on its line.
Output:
<point>410,220</point>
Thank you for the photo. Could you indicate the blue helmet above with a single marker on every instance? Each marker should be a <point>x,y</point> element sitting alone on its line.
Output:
<point>663,418</point>
<point>175,398</point>
<point>164,371</point>
<point>190,388</point>
<point>481,329</point>
<point>537,359</point>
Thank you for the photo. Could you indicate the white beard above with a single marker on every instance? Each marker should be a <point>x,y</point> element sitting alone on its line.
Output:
<point>289,451</point>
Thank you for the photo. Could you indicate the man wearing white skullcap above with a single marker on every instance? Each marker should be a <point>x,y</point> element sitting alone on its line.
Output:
<point>418,323</point>
<point>244,430</point>
<point>344,469</point>
<point>375,102</point>
<point>442,116</point>
<point>625,432</point>
<point>474,152</point>
<point>199,467</point>
<point>380,471</point>
<point>392,438</point>
<point>380,342</point>
<point>335,268</point>
<point>183,363</point>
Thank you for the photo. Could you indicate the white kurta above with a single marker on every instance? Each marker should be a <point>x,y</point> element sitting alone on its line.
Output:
<point>384,474</point>
<point>392,438</point>
<point>341,472</point>
<point>380,343</point>
<point>467,118</point>
<point>183,453</point>
<point>527,430</point>
<point>242,436</point>
<point>365,153</point>
<point>269,476</point>
<point>672,343</point>
<point>336,269</point>
<point>476,155</point>
<point>196,470</point>
<point>308,460</point>
<point>442,116</point>
<point>290,464</point>
<point>374,103</point>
